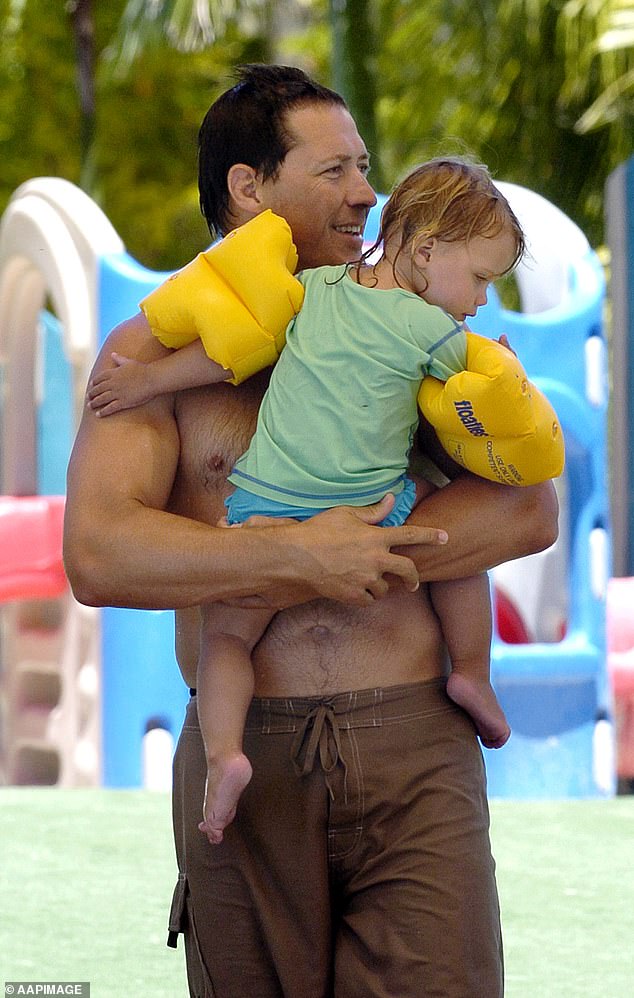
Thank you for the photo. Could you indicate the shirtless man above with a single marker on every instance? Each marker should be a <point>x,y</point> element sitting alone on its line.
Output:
<point>359,861</point>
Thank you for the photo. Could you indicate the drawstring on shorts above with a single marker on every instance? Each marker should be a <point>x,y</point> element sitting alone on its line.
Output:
<point>324,735</point>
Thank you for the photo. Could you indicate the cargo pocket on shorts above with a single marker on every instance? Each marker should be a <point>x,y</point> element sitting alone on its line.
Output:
<point>178,911</point>
<point>181,920</point>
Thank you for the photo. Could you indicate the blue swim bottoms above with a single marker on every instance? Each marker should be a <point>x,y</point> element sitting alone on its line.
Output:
<point>242,504</point>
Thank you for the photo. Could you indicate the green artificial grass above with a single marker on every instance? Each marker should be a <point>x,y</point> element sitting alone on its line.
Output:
<point>86,878</point>
<point>85,886</point>
<point>566,882</point>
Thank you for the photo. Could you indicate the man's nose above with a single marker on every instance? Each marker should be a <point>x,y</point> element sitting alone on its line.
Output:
<point>360,191</point>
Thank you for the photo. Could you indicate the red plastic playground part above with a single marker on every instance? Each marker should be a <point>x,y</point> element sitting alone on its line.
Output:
<point>31,530</point>
<point>31,559</point>
<point>509,623</point>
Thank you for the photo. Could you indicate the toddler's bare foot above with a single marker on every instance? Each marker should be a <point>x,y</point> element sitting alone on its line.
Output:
<point>479,700</point>
<point>226,779</point>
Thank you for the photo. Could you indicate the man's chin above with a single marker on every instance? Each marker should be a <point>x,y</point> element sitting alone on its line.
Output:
<point>347,247</point>
<point>337,250</point>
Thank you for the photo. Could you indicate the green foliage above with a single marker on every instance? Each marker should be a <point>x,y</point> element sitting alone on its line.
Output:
<point>144,158</point>
<point>142,168</point>
<point>146,146</point>
<point>506,80</point>
<point>39,115</point>
<point>495,80</point>
<point>354,45</point>
<point>540,90</point>
<point>184,25</point>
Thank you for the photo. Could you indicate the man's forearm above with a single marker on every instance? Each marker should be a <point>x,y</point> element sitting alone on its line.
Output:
<point>488,524</point>
<point>152,560</point>
<point>149,559</point>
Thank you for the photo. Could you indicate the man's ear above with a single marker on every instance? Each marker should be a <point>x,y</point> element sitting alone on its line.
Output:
<point>244,189</point>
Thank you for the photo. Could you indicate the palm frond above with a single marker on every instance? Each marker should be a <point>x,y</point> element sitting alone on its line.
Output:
<point>186,25</point>
<point>598,44</point>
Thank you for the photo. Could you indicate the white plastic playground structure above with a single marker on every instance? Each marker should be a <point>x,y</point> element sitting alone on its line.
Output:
<point>52,237</point>
<point>557,261</point>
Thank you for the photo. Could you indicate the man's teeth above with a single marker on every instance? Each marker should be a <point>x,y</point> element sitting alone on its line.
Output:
<point>354,230</point>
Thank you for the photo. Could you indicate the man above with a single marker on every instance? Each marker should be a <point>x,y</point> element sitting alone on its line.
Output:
<point>359,861</point>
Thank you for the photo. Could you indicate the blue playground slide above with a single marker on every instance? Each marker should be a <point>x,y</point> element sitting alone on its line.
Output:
<point>554,688</point>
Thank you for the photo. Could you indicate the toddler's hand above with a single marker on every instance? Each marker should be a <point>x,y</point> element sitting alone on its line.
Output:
<point>504,341</point>
<point>124,386</point>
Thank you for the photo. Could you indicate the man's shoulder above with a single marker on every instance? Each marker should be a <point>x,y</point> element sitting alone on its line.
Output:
<point>134,338</point>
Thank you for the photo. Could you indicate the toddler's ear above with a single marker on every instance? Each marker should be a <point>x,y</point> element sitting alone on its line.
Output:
<point>424,250</point>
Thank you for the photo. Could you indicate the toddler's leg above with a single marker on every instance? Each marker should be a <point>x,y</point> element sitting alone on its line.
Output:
<point>225,690</point>
<point>464,610</point>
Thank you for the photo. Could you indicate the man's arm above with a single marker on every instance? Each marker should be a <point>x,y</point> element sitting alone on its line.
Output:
<point>122,548</point>
<point>487,524</point>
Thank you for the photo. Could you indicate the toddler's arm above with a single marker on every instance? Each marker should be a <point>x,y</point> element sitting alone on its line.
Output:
<point>131,383</point>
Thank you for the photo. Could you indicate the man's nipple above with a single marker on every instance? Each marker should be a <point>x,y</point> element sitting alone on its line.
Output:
<point>318,632</point>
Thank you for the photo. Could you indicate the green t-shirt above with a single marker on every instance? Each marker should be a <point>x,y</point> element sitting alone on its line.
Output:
<point>338,420</point>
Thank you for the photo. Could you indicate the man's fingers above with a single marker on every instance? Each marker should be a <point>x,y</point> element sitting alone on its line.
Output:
<point>252,603</point>
<point>379,588</point>
<point>257,520</point>
<point>376,512</point>
<point>405,569</point>
<point>403,566</point>
<point>345,557</point>
<point>397,536</point>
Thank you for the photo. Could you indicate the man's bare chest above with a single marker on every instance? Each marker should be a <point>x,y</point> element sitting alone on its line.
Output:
<point>215,426</point>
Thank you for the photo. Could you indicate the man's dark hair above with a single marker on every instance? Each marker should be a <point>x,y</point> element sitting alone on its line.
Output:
<point>247,124</point>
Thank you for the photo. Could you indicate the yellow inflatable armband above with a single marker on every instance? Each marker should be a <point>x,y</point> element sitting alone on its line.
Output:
<point>238,298</point>
<point>491,420</point>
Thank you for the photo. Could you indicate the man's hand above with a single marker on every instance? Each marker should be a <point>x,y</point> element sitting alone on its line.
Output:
<point>340,554</point>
